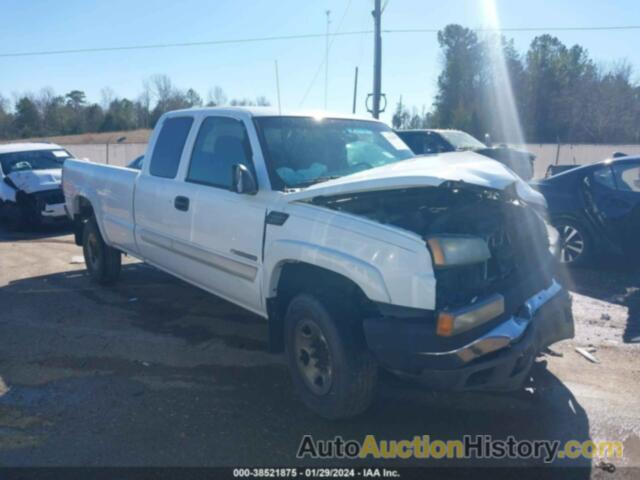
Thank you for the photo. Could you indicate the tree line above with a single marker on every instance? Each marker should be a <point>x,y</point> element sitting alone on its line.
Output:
<point>48,114</point>
<point>560,94</point>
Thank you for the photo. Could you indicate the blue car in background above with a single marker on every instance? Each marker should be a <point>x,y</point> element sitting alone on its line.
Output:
<point>596,209</point>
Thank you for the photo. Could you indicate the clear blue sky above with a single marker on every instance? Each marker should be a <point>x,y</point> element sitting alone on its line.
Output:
<point>411,62</point>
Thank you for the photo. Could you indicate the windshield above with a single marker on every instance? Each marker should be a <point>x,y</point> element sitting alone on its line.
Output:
<point>32,160</point>
<point>301,151</point>
<point>462,140</point>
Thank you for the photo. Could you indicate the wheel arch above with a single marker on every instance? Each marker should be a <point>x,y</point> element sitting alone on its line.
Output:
<point>294,277</point>
<point>82,210</point>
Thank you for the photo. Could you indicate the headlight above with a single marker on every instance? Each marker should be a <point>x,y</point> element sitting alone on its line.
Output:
<point>452,250</point>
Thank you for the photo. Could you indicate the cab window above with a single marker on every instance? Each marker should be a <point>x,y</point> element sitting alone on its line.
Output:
<point>222,142</point>
<point>168,148</point>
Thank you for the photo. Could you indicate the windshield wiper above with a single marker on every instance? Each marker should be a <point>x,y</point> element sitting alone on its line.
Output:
<point>313,181</point>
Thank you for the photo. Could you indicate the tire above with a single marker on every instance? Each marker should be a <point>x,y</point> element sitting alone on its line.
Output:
<point>29,217</point>
<point>576,245</point>
<point>341,382</point>
<point>102,261</point>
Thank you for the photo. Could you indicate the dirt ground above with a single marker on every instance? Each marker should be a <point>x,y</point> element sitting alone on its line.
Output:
<point>155,372</point>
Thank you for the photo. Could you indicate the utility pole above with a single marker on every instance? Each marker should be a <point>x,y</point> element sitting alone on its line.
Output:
<point>377,59</point>
<point>326,60</point>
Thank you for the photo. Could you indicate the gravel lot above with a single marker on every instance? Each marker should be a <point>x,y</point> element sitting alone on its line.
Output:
<point>156,372</point>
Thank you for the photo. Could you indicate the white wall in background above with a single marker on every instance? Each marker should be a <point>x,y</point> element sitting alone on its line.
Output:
<point>122,154</point>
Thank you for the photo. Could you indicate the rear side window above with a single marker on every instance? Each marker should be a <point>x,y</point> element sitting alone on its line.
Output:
<point>628,177</point>
<point>169,146</point>
<point>222,143</point>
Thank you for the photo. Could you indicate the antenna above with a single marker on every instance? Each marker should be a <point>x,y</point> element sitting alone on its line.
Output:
<point>326,60</point>
<point>355,91</point>
<point>278,87</point>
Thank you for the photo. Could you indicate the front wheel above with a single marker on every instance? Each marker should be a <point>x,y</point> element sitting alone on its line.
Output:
<point>332,371</point>
<point>102,261</point>
<point>575,242</point>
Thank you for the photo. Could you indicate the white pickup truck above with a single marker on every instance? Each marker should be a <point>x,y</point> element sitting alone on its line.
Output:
<point>359,254</point>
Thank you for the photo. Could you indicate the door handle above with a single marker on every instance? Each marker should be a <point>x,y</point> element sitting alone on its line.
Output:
<point>181,203</point>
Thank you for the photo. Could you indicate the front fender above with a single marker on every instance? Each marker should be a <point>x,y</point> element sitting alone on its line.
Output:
<point>366,276</point>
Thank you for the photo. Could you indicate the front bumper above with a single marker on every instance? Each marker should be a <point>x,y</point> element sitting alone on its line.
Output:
<point>498,359</point>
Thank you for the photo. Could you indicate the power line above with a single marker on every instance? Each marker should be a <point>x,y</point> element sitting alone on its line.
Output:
<point>304,36</point>
<point>179,44</point>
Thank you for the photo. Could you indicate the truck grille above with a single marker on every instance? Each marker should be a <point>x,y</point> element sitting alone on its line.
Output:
<point>517,241</point>
<point>50,197</point>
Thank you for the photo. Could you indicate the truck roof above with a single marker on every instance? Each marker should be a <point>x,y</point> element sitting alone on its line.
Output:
<point>26,147</point>
<point>271,112</point>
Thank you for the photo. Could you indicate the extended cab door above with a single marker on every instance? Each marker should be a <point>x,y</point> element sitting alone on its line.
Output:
<point>228,227</point>
<point>162,200</point>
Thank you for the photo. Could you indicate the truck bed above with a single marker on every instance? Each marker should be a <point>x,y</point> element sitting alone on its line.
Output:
<point>110,191</point>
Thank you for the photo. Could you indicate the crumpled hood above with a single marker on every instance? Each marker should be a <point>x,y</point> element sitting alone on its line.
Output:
<point>30,181</point>
<point>425,171</point>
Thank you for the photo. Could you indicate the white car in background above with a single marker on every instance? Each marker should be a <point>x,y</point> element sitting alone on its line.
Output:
<point>30,186</point>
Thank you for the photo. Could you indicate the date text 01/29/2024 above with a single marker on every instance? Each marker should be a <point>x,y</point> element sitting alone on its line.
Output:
<point>320,472</point>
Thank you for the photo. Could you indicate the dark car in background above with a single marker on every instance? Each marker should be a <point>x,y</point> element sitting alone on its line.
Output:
<point>428,141</point>
<point>556,169</point>
<point>136,163</point>
<point>596,209</point>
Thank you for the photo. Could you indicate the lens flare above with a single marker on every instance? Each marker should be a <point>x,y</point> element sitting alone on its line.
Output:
<point>507,120</point>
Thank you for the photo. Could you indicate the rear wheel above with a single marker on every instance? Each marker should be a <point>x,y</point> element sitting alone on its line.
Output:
<point>332,371</point>
<point>575,243</point>
<point>102,261</point>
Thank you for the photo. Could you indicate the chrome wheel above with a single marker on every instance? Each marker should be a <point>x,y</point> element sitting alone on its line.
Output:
<point>313,357</point>
<point>571,243</point>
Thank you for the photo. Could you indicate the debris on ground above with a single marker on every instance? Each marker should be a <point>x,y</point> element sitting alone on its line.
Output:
<point>133,299</point>
<point>77,259</point>
<point>585,353</point>
<point>605,316</point>
<point>553,353</point>
<point>606,466</point>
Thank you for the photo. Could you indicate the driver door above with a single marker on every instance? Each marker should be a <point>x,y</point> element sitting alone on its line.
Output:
<point>227,227</point>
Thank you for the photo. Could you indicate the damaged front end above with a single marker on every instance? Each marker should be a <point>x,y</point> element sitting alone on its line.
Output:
<point>497,303</point>
<point>34,208</point>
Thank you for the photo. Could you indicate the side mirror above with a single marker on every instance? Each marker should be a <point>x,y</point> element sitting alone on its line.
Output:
<point>243,180</point>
